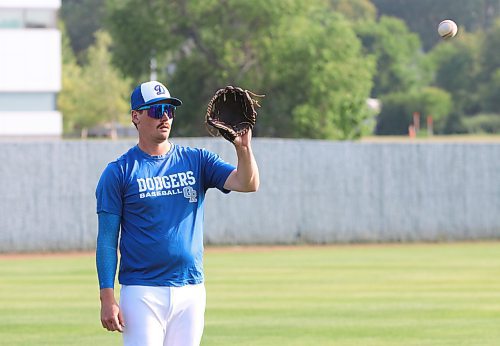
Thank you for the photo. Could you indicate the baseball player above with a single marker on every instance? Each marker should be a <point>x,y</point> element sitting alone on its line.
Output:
<point>152,200</point>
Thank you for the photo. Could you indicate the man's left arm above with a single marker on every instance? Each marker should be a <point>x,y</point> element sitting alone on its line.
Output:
<point>245,178</point>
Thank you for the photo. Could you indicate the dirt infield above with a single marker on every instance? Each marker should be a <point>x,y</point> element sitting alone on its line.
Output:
<point>208,249</point>
<point>237,248</point>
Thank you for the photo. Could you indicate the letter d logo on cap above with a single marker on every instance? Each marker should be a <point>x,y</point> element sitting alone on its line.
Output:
<point>159,89</point>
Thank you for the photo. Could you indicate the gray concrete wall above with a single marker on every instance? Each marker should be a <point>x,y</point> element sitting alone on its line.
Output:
<point>311,192</point>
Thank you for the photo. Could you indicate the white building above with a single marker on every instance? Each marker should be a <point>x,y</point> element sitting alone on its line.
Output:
<point>30,68</point>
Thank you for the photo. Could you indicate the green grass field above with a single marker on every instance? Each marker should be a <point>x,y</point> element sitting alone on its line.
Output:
<point>418,294</point>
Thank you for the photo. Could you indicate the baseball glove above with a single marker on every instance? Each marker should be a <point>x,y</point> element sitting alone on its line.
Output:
<point>231,112</point>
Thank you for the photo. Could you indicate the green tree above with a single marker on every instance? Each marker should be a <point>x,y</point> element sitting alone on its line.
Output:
<point>143,29</point>
<point>106,92</point>
<point>397,52</point>
<point>423,16</point>
<point>301,54</point>
<point>318,75</point>
<point>94,94</point>
<point>456,66</point>
<point>355,10</point>
<point>398,109</point>
<point>490,53</point>
<point>482,123</point>
<point>69,102</point>
<point>491,95</point>
<point>490,70</point>
<point>83,18</point>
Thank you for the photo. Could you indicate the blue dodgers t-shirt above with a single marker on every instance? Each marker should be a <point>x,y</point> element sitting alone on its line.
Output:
<point>160,201</point>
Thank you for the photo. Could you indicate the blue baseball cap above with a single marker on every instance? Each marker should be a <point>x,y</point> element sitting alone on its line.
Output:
<point>151,92</point>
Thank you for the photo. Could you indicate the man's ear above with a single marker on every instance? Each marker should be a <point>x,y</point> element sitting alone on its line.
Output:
<point>135,117</point>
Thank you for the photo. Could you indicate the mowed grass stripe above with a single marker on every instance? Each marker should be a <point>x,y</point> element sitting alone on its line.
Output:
<point>415,294</point>
<point>431,294</point>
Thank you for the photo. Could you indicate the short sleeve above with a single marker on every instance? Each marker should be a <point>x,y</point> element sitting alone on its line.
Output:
<point>109,190</point>
<point>216,170</point>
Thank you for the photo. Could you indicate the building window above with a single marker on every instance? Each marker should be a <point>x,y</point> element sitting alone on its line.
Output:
<point>11,18</point>
<point>27,102</point>
<point>40,18</point>
<point>27,18</point>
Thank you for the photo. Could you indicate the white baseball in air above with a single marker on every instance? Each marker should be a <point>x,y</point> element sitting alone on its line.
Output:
<point>447,28</point>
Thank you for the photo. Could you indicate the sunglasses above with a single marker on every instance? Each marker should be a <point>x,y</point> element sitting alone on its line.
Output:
<point>156,111</point>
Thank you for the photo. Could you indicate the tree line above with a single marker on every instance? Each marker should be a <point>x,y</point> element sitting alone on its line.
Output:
<point>317,61</point>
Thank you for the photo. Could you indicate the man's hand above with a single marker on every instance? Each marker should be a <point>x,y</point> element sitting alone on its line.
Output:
<point>111,316</point>
<point>243,140</point>
<point>245,178</point>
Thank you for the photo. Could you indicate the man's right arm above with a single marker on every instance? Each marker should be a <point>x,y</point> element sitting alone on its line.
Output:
<point>106,262</point>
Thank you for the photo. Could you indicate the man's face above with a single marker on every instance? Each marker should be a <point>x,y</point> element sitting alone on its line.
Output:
<point>156,129</point>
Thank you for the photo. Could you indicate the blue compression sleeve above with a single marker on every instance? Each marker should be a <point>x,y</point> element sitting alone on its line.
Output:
<point>106,251</point>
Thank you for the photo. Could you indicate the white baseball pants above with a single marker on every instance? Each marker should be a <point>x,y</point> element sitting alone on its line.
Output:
<point>163,316</point>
